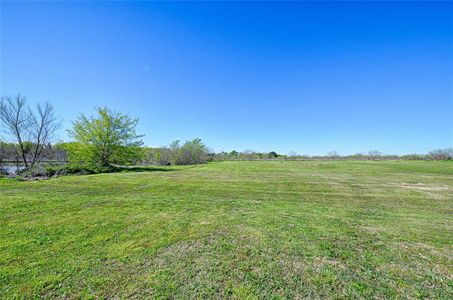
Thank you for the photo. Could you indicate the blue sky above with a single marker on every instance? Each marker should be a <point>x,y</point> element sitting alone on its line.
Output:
<point>304,77</point>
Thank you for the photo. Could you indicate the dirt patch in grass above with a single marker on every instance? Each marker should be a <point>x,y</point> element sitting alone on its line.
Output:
<point>372,229</point>
<point>424,187</point>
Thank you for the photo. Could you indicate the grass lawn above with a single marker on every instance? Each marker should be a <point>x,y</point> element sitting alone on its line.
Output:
<point>232,229</point>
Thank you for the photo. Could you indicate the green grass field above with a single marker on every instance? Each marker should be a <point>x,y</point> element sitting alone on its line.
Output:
<point>232,230</point>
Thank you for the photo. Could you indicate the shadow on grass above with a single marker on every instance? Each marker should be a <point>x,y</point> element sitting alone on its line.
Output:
<point>143,169</point>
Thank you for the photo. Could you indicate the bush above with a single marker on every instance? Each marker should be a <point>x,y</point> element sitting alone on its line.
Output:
<point>46,171</point>
<point>190,153</point>
<point>36,171</point>
<point>163,157</point>
<point>85,169</point>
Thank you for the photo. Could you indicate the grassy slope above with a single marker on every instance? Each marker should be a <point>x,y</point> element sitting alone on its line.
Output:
<point>239,229</point>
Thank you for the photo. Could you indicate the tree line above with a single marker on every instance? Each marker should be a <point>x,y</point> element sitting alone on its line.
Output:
<point>439,154</point>
<point>109,139</point>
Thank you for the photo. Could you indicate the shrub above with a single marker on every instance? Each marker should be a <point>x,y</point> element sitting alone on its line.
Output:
<point>46,171</point>
<point>33,172</point>
<point>163,157</point>
<point>190,153</point>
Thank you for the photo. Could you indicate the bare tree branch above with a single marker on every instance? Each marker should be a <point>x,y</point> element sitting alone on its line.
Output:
<point>15,119</point>
<point>30,130</point>
<point>43,125</point>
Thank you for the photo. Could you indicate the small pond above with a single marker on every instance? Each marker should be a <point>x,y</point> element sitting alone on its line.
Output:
<point>12,168</point>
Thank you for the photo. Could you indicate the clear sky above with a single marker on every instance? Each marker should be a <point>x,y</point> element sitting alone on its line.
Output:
<point>304,77</point>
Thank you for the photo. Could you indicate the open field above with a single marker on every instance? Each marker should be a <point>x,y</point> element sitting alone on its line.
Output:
<point>232,229</point>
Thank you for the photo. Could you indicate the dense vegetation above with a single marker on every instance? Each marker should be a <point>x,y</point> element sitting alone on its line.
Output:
<point>265,229</point>
<point>100,143</point>
<point>107,141</point>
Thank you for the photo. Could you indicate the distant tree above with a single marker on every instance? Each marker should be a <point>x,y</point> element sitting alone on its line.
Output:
<point>234,153</point>
<point>358,156</point>
<point>31,130</point>
<point>174,151</point>
<point>107,139</point>
<point>333,154</point>
<point>60,154</point>
<point>221,156</point>
<point>191,152</point>
<point>272,154</point>
<point>441,154</point>
<point>292,155</point>
<point>413,156</point>
<point>248,154</point>
<point>374,153</point>
<point>163,156</point>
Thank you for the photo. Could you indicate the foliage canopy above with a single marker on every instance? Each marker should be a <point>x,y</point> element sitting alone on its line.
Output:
<point>109,138</point>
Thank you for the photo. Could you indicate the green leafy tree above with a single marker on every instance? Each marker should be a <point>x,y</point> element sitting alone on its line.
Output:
<point>273,154</point>
<point>77,152</point>
<point>234,153</point>
<point>109,138</point>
